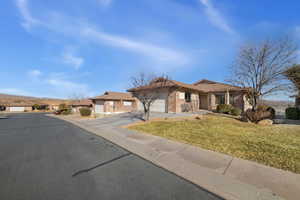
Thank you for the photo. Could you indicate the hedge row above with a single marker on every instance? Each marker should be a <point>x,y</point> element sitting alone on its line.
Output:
<point>228,109</point>
<point>292,113</point>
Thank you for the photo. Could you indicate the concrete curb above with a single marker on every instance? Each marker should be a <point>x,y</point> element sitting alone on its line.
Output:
<point>170,156</point>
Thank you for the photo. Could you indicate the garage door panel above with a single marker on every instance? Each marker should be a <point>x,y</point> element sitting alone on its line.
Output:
<point>17,109</point>
<point>159,105</point>
<point>99,107</point>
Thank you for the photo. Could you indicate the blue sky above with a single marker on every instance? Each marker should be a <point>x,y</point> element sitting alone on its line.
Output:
<point>65,48</point>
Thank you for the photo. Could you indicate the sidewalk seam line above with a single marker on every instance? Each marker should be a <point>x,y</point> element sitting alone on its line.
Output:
<point>228,166</point>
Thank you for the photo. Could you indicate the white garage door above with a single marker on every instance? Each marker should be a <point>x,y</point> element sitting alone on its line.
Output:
<point>159,105</point>
<point>17,109</point>
<point>99,107</point>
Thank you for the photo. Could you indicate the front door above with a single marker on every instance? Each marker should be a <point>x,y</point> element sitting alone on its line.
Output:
<point>203,102</point>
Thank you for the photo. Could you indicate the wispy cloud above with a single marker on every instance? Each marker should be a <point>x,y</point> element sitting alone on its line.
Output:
<point>215,17</point>
<point>68,88</point>
<point>69,58</point>
<point>28,19</point>
<point>162,54</point>
<point>105,2</point>
<point>159,55</point>
<point>34,73</point>
<point>69,85</point>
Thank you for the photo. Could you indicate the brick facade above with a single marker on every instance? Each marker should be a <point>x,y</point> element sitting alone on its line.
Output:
<point>176,101</point>
<point>119,106</point>
<point>172,101</point>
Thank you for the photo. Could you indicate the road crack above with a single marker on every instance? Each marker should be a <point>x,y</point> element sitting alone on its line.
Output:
<point>100,165</point>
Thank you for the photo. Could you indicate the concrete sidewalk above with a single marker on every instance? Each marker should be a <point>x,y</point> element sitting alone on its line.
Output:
<point>226,176</point>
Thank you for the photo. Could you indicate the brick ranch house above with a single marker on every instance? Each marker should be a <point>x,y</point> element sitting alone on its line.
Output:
<point>16,107</point>
<point>176,97</point>
<point>114,102</point>
<point>83,103</point>
<point>19,106</point>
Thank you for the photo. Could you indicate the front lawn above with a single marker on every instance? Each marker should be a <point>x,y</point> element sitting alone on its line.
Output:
<point>277,145</point>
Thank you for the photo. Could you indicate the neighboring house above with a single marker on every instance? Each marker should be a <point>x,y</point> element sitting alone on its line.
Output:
<point>174,96</point>
<point>17,107</point>
<point>84,103</point>
<point>114,102</point>
<point>16,103</point>
<point>54,107</point>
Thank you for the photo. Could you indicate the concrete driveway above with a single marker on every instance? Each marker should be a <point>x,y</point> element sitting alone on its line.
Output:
<point>118,120</point>
<point>47,158</point>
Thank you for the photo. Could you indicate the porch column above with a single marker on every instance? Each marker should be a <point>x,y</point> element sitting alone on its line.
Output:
<point>212,102</point>
<point>227,97</point>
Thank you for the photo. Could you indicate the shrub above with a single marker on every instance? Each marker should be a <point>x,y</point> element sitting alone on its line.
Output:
<point>66,112</point>
<point>224,108</point>
<point>85,111</point>
<point>36,107</point>
<point>266,108</point>
<point>258,115</point>
<point>63,106</point>
<point>235,111</point>
<point>186,107</point>
<point>292,113</point>
<point>64,109</point>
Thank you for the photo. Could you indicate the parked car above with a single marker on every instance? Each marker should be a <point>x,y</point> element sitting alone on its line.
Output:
<point>57,112</point>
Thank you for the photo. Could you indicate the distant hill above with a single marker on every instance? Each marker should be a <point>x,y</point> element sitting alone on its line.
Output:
<point>6,99</point>
<point>279,106</point>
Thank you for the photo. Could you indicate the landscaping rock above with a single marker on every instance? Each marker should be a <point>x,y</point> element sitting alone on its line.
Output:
<point>199,117</point>
<point>244,118</point>
<point>265,122</point>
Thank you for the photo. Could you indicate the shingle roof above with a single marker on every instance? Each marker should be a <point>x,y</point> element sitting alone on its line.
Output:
<point>82,102</point>
<point>200,86</point>
<point>212,86</point>
<point>115,96</point>
<point>160,83</point>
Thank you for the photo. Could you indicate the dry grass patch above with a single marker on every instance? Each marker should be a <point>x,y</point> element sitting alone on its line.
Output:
<point>277,145</point>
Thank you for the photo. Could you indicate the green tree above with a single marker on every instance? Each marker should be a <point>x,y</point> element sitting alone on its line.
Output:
<point>63,106</point>
<point>293,74</point>
<point>36,106</point>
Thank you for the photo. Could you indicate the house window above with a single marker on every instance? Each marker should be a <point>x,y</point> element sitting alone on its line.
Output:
<point>187,97</point>
<point>220,99</point>
<point>127,103</point>
<point>111,103</point>
<point>181,95</point>
<point>2,108</point>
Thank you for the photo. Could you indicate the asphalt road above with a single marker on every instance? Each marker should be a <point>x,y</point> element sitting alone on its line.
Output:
<point>47,158</point>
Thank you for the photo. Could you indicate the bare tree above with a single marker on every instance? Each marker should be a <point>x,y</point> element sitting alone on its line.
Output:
<point>144,88</point>
<point>260,67</point>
